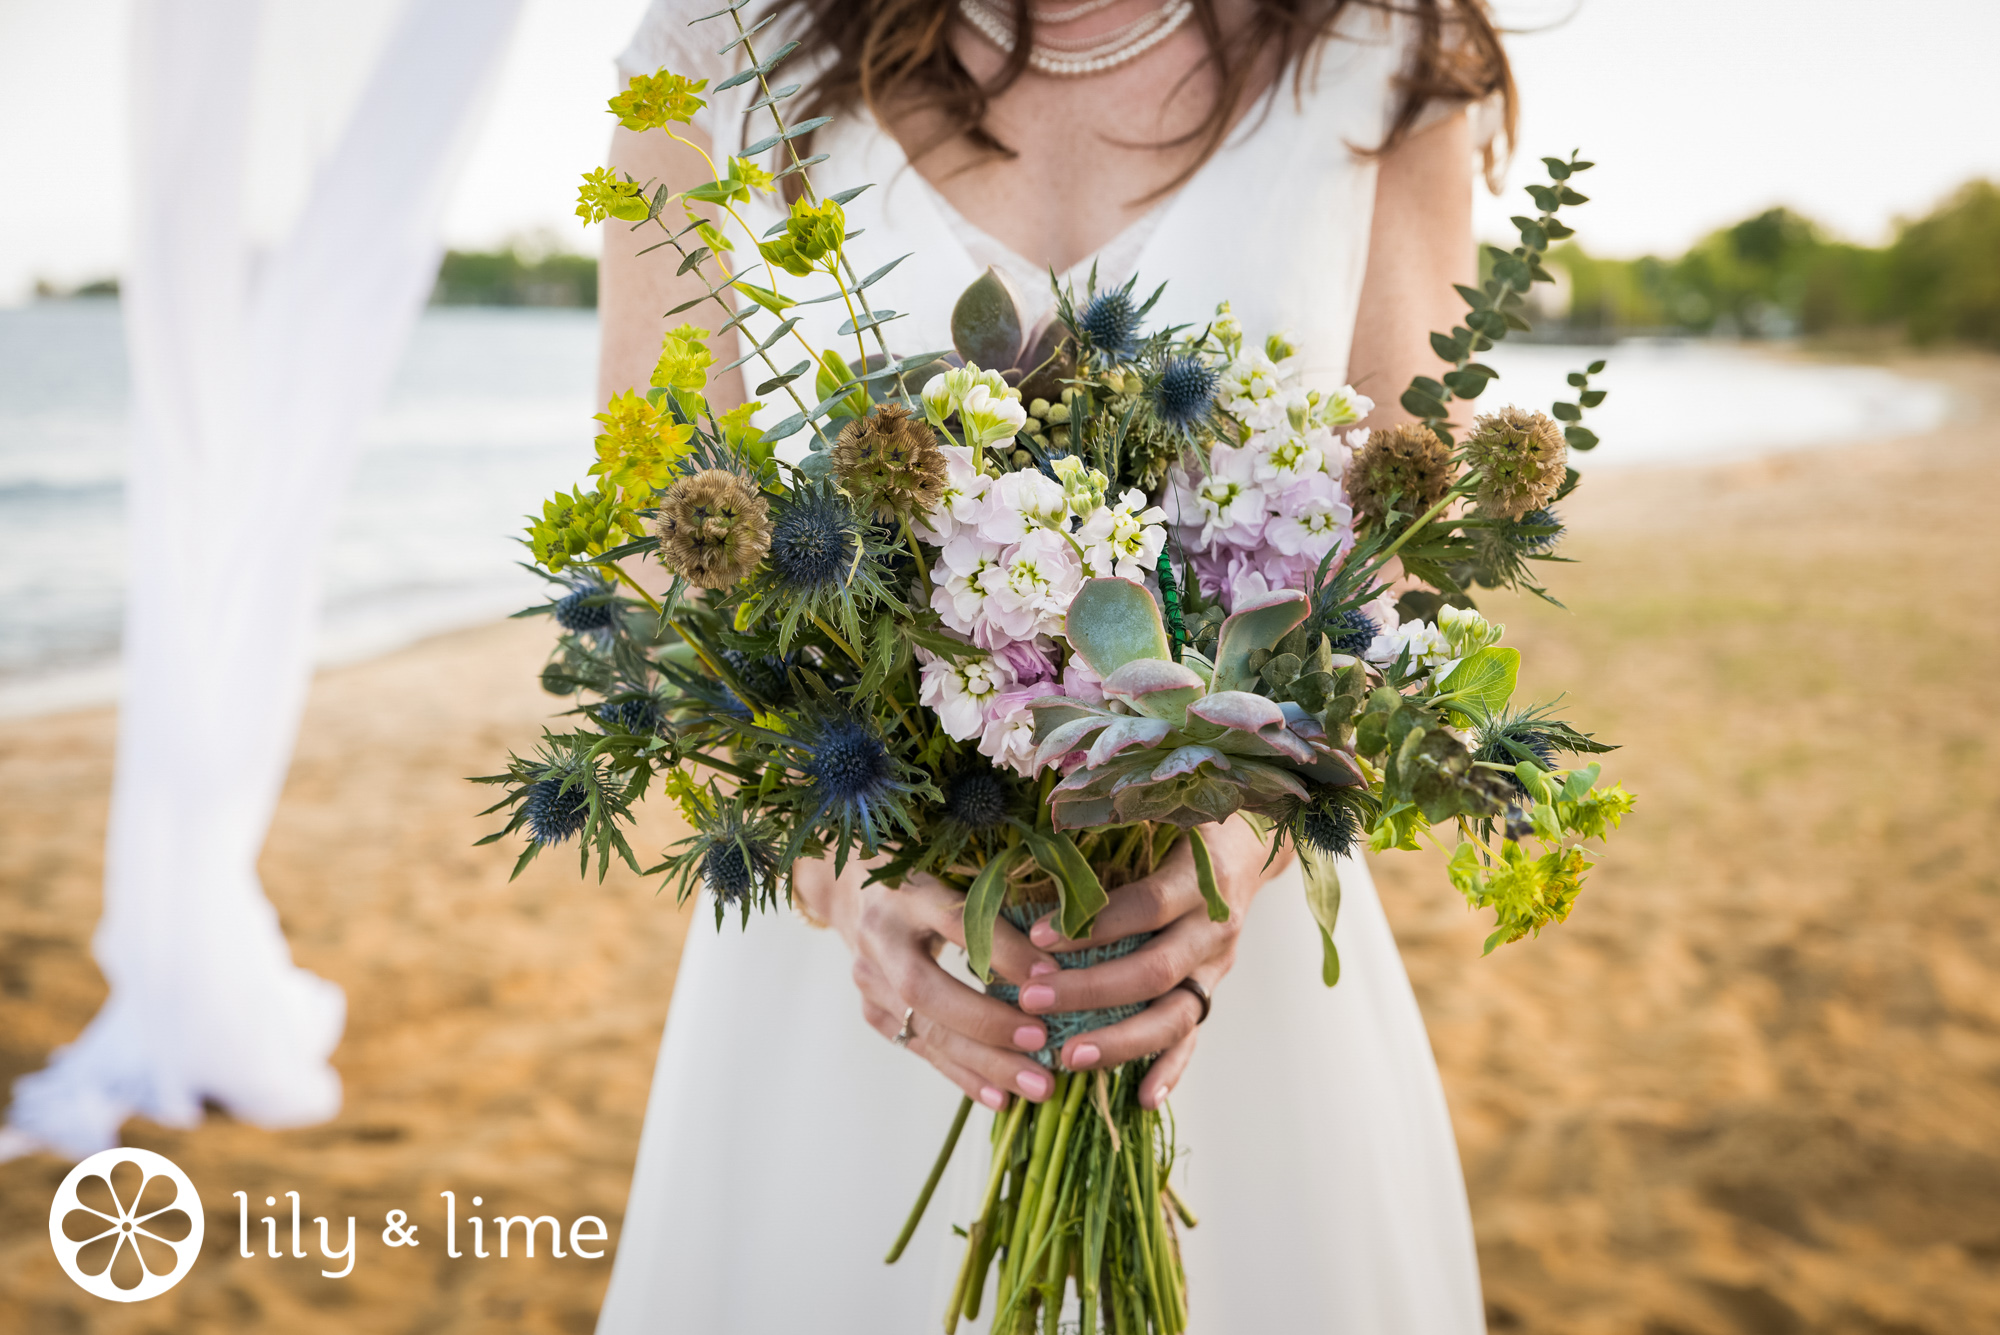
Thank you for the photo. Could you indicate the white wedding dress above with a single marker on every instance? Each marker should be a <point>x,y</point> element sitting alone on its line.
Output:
<point>785,1139</point>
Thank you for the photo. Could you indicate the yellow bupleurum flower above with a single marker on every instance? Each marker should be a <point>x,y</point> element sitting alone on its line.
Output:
<point>683,367</point>
<point>602,195</point>
<point>812,232</point>
<point>657,100</point>
<point>639,446</point>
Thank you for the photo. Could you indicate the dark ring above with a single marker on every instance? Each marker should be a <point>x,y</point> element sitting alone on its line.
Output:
<point>1200,994</point>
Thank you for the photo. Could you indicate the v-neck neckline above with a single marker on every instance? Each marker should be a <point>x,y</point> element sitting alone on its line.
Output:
<point>953,219</point>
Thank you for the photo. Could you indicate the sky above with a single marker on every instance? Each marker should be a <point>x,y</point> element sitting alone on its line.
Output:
<point>1699,112</point>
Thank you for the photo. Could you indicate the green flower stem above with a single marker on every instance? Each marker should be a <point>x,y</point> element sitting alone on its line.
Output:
<point>834,635</point>
<point>1059,1156</point>
<point>806,188</point>
<point>1149,1275</point>
<point>1463,488</point>
<point>916,550</point>
<point>1046,1119</point>
<point>1002,1152</point>
<point>930,1183</point>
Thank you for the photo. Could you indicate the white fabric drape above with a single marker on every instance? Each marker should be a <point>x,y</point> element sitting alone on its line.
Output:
<point>249,394</point>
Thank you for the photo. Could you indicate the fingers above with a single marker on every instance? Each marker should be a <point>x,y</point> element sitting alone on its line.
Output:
<point>942,910</point>
<point>1158,1028</point>
<point>986,1071</point>
<point>1166,1072</point>
<point>1146,905</point>
<point>919,981</point>
<point>889,1025</point>
<point>1144,974</point>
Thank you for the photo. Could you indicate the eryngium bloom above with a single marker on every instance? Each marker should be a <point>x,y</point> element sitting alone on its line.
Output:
<point>1111,322</point>
<point>1408,462</point>
<point>586,607</point>
<point>813,541</point>
<point>976,799</point>
<point>1351,632</point>
<point>714,528</point>
<point>1522,459</point>
<point>555,812</point>
<point>1184,394</point>
<point>890,462</point>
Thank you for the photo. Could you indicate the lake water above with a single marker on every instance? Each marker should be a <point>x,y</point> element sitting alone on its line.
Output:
<point>490,413</point>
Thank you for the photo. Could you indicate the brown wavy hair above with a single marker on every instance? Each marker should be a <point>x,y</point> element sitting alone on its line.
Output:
<point>898,51</point>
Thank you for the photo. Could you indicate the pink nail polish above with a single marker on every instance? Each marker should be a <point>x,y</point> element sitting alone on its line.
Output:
<point>993,1098</point>
<point>1042,968</point>
<point>1038,995</point>
<point>1084,1054</point>
<point>1029,1038</point>
<point>1035,1084</point>
<point>1042,933</point>
<point>1150,1100</point>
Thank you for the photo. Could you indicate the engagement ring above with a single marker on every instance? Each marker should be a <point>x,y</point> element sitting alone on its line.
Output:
<point>906,1033</point>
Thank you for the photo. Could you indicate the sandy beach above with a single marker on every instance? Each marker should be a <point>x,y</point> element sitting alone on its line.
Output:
<point>1751,1086</point>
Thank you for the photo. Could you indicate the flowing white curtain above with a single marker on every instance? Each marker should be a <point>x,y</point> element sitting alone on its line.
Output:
<point>250,389</point>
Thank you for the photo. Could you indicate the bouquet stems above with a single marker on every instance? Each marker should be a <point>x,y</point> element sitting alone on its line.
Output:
<point>1077,1194</point>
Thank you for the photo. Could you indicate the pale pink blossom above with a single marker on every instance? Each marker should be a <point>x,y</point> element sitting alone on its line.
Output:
<point>960,593</point>
<point>1028,590</point>
<point>958,692</point>
<point>967,498</point>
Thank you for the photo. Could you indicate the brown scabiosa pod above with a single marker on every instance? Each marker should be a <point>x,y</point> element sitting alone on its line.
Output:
<point>1522,460</point>
<point>1408,462</point>
<point>890,462</point>
<point>714,528</point>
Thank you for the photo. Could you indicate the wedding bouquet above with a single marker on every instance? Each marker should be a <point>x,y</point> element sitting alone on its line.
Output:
<point>1029,611</point>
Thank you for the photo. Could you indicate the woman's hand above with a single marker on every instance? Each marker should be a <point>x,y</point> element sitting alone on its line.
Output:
<point>1188,945</point>
<point>979,1043</point>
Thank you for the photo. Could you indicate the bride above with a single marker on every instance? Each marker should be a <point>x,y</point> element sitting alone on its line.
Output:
<point>1311,161</point>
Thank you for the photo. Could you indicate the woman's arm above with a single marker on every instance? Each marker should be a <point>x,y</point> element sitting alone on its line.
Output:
<point>1420,243</point>
<point>634,291</point>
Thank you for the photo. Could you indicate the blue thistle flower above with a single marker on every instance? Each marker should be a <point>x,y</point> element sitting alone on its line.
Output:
<point>813,540</point>
<point>586,607</point>
<point>1111,322</point>
<point>727,873</point>
<point>1183,393</point>
<point>857,788</point>
<point>976,799</point>
<point>1540,542</point>
<point>826,563</point>
<point>1351,632</point>
<point>639,714</point>
<point>1328,826</point>
<point>555,812</point>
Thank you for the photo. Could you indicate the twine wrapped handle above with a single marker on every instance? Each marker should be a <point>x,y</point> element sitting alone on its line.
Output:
<point>1065,1025</point>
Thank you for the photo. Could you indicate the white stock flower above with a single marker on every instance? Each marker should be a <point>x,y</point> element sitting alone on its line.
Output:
<point>1343,406</point>
<point>958,693</point>
<point>1311,519</point>
<point>1029,589</point>
<point>1285,456</point>
<point>1123,540</point>
<point>960,594</point>
<point>963,504</point>
<point>1008,738</point>
<point>1228,503</point>
<point>1425,644</point>
<point>987,416</point>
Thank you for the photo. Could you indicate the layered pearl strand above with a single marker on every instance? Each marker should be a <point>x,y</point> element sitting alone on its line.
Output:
<point>1073,58</point>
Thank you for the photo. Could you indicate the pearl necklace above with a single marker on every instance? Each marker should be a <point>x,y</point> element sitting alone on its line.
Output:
<point>1076,58</point>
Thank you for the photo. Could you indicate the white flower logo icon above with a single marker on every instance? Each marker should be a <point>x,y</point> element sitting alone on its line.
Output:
<point>126,1224</point>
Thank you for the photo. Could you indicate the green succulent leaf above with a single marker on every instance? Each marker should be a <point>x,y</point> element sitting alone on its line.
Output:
<point>1258,626</point>
<point>986,323</point>
<point>1112,622</point>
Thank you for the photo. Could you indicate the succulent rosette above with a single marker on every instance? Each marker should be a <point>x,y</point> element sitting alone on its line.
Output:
<point>1023,613</point>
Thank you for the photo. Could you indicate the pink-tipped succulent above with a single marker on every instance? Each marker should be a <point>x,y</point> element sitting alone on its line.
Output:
<point>1173,742</point>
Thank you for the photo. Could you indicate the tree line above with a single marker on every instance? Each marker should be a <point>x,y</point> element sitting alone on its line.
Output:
<point>1779,274</point>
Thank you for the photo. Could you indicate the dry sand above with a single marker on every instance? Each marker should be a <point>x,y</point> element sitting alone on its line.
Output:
<point>1752,1086</point>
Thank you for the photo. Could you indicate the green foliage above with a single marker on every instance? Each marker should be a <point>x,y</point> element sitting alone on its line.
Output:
<point>1778,273</point>
<point>510,278</point>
